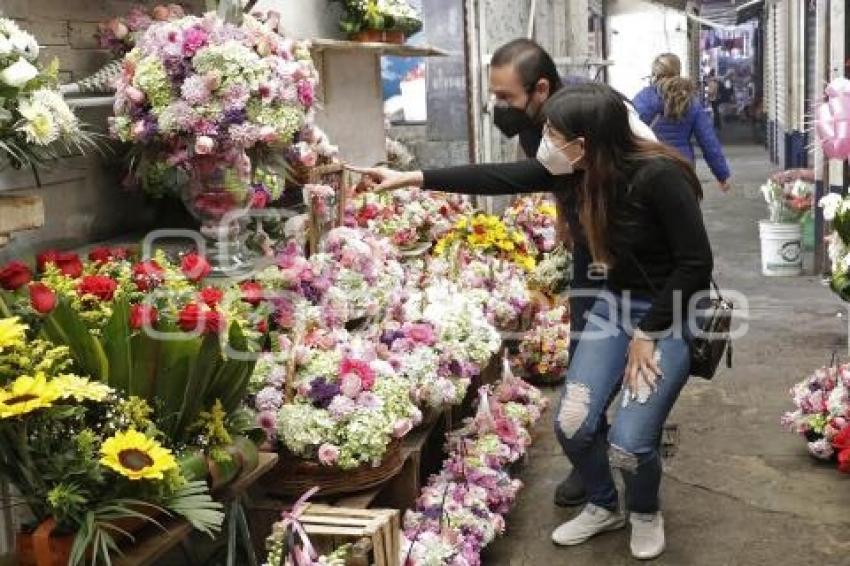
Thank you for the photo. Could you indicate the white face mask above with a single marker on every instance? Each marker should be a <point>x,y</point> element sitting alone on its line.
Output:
<point>553,158</point>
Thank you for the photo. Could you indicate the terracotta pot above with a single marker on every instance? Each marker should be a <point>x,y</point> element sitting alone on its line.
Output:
<point>378,36</point>
<point>42,548</point>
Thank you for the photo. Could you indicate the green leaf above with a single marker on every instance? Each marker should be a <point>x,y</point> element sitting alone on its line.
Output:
<point>177,360</point>
<point>117,347</point>
<point>65,327</point>
<point>230,383</point>
<point>207,364</point>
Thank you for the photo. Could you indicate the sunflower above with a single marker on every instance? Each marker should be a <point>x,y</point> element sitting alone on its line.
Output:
<point>26,394</point>
<point>11,333</point>
<point>135,456</point>
<point>80,388</point>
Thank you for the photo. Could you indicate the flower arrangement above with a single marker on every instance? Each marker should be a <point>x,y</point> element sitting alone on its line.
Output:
<point>120,34</point>
<point>347,406</point>
<point>536,216</point>
<point>836,210</point>
<point>410,218</point>
<point>380,15</point>
<point>35,121</point>
<point>544,350</point>
<point>822,414</point>
<point>84,455</point>
<point>148,328</point>
<point>213,102</point>
<point>553,273</point>
<point>789,195</point>
<point>487,234</point>
<point>462,508</point>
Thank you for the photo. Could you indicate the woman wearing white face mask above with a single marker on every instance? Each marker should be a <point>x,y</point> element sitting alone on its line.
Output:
<point>638,204</point>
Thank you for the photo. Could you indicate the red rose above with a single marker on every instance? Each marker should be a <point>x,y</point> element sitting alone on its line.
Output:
<point>148,275</point>
<point>100,286</point>
<point>195,266</point>
<point>142,316</point>
<point>194,319</point>
<point>15,275</point>
<point>252,292</point>
<point>841,441</point>
<point>101,255</point>
<point>67,262</point>
<point>263,326</point>
<point>211,296</point>
<point>42,299</point>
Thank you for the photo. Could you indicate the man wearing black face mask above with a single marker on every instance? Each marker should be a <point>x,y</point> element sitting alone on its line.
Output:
<point>522,78</point>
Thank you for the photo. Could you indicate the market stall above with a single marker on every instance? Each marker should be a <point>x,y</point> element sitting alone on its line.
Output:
<point>354,350</point>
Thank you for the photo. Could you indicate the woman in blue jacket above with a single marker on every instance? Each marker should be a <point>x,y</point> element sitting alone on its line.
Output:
<point>669,105</point>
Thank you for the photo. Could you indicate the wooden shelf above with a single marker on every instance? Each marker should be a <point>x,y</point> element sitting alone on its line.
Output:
<point>378,48</point>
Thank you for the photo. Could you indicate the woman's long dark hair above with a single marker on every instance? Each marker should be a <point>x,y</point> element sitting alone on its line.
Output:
<point>612,153</point>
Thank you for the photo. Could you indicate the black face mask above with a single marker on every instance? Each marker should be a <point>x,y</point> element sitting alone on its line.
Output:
<point>511,120</point>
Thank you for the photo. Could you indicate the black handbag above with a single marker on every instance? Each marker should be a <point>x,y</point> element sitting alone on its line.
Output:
<point>713,338</point>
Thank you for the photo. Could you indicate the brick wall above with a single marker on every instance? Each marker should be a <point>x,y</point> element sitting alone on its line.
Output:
<point>82,198</point>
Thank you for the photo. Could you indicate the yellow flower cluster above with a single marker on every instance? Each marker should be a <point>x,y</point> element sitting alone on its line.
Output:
<point>29,393</point>
<point>12,333</point>
<point>487,233</point>
<point>546,208</point>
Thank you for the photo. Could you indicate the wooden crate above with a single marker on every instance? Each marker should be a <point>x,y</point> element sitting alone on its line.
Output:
<point>344,524</point>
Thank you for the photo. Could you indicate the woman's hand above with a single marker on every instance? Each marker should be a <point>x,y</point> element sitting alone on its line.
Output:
<point>724,186</point>
<point>388,179</point>
<point>642,371</point>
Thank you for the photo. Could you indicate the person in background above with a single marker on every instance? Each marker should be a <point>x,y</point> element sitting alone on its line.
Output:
<point>670,106</point>
<point>712,93</point>
<point>523,77</point>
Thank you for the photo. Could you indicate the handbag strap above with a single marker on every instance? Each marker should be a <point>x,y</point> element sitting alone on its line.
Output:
<point>652,286</point>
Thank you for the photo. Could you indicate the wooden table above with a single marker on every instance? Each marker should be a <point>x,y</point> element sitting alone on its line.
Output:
<point>152,543</point>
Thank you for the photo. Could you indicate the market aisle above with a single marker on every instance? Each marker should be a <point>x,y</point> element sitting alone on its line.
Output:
<point>739,490</point>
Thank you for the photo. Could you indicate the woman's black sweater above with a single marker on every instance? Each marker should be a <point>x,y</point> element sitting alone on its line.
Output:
<point>659,242</point>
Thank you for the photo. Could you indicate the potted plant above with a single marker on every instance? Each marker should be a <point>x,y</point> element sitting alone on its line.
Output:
<point>379,21</point>
<point>789,196</point>
<point>155,330</point>
<point>87,462</point>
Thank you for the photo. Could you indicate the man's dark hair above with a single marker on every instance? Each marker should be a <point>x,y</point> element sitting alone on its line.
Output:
<point>531,62</point>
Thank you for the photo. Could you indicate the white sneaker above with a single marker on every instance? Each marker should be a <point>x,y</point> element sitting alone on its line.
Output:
<point>647,535</point>
<point>590,522</point>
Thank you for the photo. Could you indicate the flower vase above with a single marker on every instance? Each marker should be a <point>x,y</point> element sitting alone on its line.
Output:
<point>42,547</point>
<point>380,36</point>
<point>217,195</point>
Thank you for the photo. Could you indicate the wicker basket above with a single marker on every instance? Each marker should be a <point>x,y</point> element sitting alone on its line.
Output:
<point>292,476</point>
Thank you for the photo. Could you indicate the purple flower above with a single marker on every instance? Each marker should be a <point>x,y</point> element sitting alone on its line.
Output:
<point>269,399</point>
<point>267,420</point>
<point>305,93</point>
<point>177,68</point>
<point>193,40</point>
<point>322,393</point>
<point>369,400</point>
<point>234,116</point>
<point>433,512</point>
<point>341,407</point>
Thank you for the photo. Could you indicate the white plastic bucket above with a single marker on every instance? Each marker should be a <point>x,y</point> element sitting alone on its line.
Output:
<point>781,249</point>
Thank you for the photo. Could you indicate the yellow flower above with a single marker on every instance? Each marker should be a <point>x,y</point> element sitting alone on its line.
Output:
<point>479,240</point>
<point>25,395</point>
<point>505,245</point>
<point>80,388</point>
<point>11,333</point>
<point>135,456</point>
<point>547,209</point>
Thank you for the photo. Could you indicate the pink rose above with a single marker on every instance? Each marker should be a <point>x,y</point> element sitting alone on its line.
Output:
<point>161,13</point>
<point>351,385</point>
<point>422,333</point>
<point>328,454</point>
<point>118,28</point>
<point>193,40</point>
<point>204,145</point>
<point>401,428</point>
<point>361,369</point>
<point>267,420</point>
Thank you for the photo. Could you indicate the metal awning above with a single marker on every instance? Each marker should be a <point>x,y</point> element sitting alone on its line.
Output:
<point>749,11</point>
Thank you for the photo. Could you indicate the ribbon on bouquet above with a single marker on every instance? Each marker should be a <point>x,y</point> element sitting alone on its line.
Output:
<point>484,416</point>
<point>304,555</point>
<point>832,120</point>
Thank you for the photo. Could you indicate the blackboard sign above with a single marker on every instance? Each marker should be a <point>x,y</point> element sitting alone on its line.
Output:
<point>447,110</point>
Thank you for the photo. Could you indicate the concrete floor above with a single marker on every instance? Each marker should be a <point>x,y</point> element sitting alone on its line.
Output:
<point>740,490</point>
